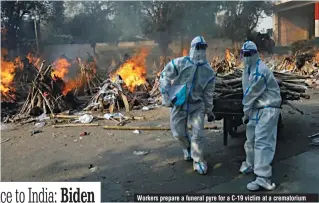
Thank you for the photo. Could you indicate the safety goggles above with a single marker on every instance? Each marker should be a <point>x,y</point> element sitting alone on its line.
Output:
<point>247,52</point>
<point>200,46</point>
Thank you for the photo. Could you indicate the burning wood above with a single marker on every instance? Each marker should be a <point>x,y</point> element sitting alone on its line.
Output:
<point>225,65</point>
<point>87,78</point>
<point>185,52</point>
<point>8,72</point>
<point>133,71</point>
<point>45,95</point>
<point>127,87</point>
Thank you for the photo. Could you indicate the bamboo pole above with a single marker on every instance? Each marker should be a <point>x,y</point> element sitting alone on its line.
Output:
<point>146,128</point>
<point>98,117</point>
<point>75,125</point>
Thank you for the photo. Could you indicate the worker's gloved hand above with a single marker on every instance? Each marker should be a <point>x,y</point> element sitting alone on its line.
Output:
<point>166,102</point>
<point>210,117</point>
<point>245,119</point>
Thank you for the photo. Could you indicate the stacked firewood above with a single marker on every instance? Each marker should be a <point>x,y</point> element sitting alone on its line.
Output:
<point>292,87</point>
<point>45,95</point>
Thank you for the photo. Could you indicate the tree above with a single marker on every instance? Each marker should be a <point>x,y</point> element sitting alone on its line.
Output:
<point>166,21</point>
<point>12,13</point>
<point>92,22</point>
<point>242,17</point>
<point>160,21</point>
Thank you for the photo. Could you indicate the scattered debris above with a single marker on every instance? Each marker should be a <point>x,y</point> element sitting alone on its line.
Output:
<point>136,132</point>
<point>93,168</point>
<point>140,153</point>
<point>5,140</point>
<point>43,117</point>
<point>33,132</point>
<point>39,125</point>
<point>171,163</point>
<point>5,127</point>
<point>215,131</point>
<point>218,165</point>
<point>83,134</point>
<point>85,119</point>
<point>147,108</point>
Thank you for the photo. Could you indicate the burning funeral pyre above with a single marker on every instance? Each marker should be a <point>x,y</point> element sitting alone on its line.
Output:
<point>8,72</point>
<point>127,87</point>
<point>47,91</point>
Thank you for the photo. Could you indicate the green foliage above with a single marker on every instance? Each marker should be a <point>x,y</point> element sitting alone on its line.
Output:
<point>92,23</point>
<point>12,13</point>
<point>242,17</point>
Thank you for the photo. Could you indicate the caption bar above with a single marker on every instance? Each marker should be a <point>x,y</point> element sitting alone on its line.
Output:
<point>50,192</point>
<point>225,197</point>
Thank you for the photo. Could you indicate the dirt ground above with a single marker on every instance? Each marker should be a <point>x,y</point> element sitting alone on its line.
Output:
<point>59,154</point>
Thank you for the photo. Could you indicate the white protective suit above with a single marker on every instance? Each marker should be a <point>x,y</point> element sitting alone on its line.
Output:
<point>196,76</point>
<point>262,102</point>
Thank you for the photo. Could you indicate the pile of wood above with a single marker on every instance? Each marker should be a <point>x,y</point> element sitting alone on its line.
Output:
<point>224,65</point>
<point>87,78</point>
<point>45,95</point>
<point>293,87</point>
<point>114,96</point>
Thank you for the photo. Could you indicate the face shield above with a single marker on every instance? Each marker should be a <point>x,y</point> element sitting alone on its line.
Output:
<point>198,50</point>
<point>250,56</point>
<point>247,52</point>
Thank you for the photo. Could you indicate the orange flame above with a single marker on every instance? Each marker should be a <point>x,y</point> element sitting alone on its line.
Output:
<point>316,58</point>
<point>227,55</point>
<point>61,66</point>
<point>7,73</point>
<point>133,71</point>
<point>69,86</point>
<point>185,52</point>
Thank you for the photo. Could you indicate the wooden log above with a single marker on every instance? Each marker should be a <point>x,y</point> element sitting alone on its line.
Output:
<point>76,125</point>
<point>294,86</point>
<point>47,102</point>
<point>146,127</point>
<point>126,104</point>
<point>228,82</point>
<point>293,107</point>
<point>303,95</point>
<point>228,91</point>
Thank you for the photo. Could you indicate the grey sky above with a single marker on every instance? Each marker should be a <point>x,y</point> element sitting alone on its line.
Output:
<point>265,24</point>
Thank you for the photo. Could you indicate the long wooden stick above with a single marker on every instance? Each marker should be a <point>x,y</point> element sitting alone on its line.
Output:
<point>146,127</point>
<point>75,125</point>
<point>293,107</point>
<point>99,117</point>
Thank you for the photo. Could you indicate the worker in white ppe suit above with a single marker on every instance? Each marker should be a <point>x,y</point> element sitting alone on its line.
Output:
<point>187,85</point>
<point>262,105</point>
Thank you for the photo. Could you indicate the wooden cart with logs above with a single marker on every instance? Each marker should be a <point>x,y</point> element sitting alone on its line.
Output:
<point>229,95</point>
<point>230,109</point>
